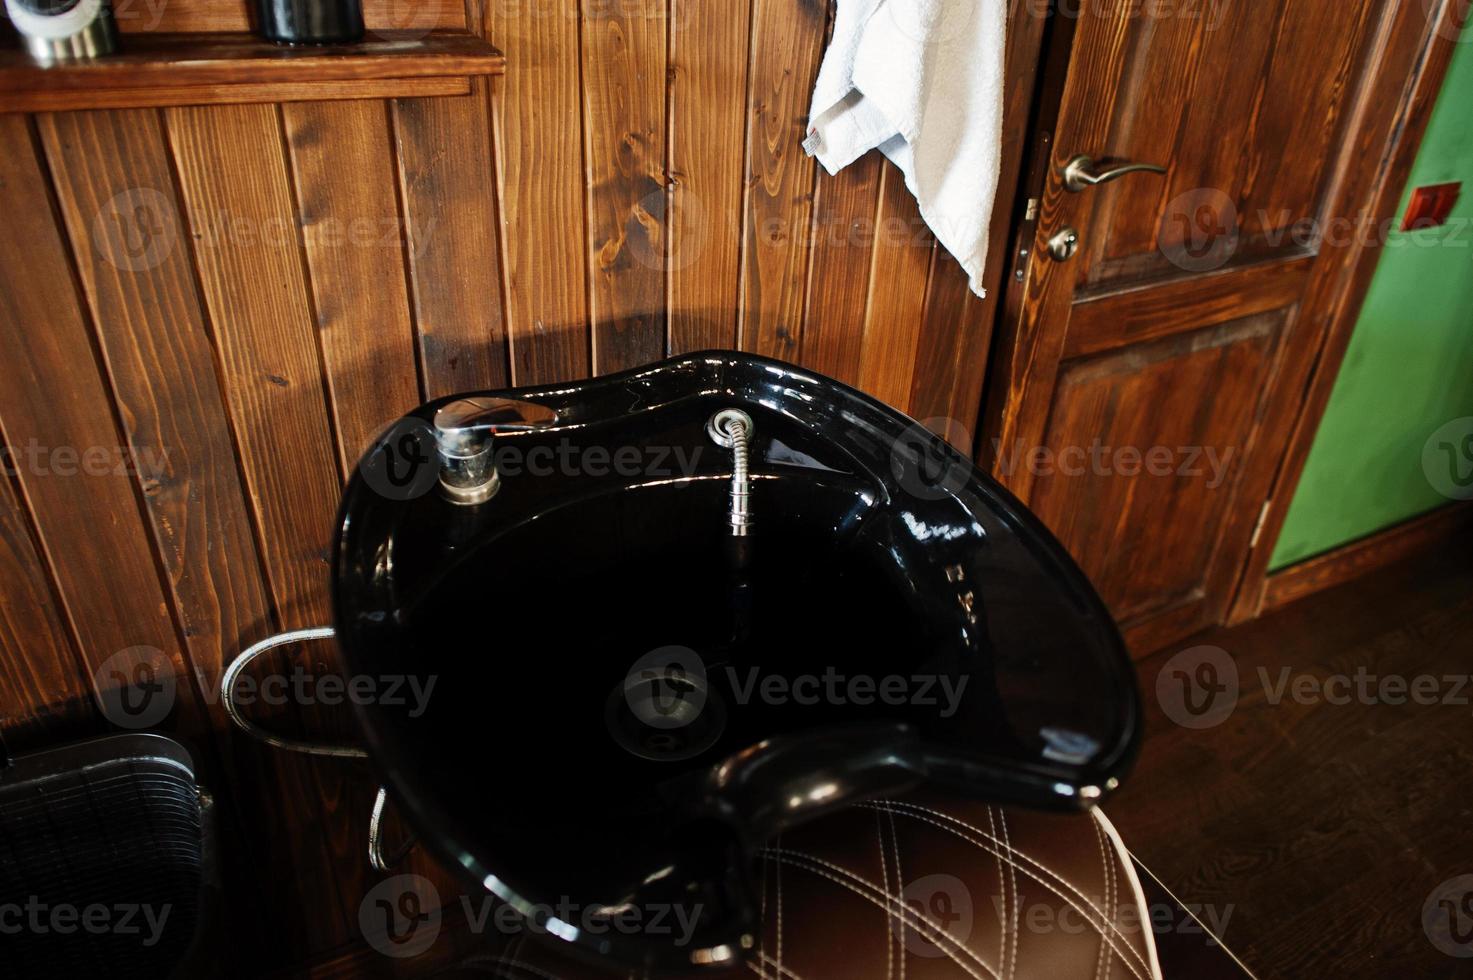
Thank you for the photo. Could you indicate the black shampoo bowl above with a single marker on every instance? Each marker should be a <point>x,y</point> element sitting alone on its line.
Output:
<point>629,698</point>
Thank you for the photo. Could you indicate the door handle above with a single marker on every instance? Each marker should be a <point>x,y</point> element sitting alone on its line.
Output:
<point>1080,173</point>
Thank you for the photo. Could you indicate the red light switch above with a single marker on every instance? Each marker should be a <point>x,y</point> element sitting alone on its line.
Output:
<point>1430,206</point>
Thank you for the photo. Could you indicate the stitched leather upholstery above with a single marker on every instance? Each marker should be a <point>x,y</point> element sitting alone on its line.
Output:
<point>922,888</point>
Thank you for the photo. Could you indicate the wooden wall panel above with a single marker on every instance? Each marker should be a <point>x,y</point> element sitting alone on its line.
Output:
<point>233,176</point>
<point>235,189</point>
<point>117,198</point>
<point>539,151</point>
<point>355,243</point>
<point>43,692</point>
<point>128,238</point>
<point>624,130</point>
<point>787,42</point>
<point>844,214</point>
<point>951,353</point>
<point>897,293</point>
<point>53,397</point>
<point>447,177</point>
<point>708,106</point>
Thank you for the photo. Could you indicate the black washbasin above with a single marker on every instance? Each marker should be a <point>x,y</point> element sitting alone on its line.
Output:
<point>628,700</point>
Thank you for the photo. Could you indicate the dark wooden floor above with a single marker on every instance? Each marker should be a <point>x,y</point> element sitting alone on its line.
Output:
<point>1321,828</point>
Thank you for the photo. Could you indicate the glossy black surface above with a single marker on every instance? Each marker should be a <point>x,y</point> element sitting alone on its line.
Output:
<point>310,21</point>
<point>599,643</point>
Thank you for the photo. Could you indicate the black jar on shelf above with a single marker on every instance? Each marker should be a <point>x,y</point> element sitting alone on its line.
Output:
<point>311,21</point>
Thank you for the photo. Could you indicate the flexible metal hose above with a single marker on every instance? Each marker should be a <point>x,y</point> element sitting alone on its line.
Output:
<point>732,429</point>
<point>741,482</point>
<point>376,857</point>
<point>232,707</point>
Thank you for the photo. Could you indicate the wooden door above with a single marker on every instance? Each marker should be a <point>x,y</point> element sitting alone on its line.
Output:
<point>1144,388</point>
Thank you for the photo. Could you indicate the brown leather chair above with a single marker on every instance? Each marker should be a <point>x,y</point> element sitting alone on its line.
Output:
<point>927,887</point>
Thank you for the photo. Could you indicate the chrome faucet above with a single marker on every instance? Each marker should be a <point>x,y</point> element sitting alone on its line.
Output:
<point>465,432</point>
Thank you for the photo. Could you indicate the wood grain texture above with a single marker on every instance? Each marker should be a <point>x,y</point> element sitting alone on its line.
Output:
<point>893,317</point>
<point>951,348</point>
<point>43,695</point>
<point>118,200</point>
<point>447,174</point>
<point>787,40</point>
<point>218,61</point>
<point>79,483</point>
<point>1392,41</point>
<point>1258,164</point>
<point>355,235</point>
<point>236,193</point>
<point>47,100</point>
<point>709,42</point>
<point>1149,312</point>
<point>539,150</point>
<point>624,130</point>
<point>1210,244</point>
<point>129,240</point>
<point>1135,522</point>
<point>845,212</point>
<point>1036,321</point>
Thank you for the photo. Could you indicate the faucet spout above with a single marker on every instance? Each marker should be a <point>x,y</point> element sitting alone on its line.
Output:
<point>465,432</point>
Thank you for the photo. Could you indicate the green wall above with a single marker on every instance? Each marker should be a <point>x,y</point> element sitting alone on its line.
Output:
<point>1409,368</point>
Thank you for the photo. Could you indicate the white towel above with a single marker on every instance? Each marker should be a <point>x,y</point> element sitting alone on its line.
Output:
<point>921,80</point>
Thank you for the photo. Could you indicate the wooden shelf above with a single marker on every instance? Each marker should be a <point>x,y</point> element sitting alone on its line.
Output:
<point>202,69</point>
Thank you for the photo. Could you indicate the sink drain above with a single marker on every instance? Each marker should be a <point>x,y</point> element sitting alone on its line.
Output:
<point>663,710</point>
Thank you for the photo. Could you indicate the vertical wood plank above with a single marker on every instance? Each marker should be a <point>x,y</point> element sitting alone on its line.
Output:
<point>843,236</point>
<point>78,488</point>
<point>708,84</point>
<point>346,195</point>
<point>232,170</point>
<point>897,293</point>
<point>542,201</point>
<point>447,175</point>
<point>233,178</point>
<point>624,67</point>
<point>42,693</point>
<point>117,198</point>
<point>951,354</point>
<point>787,43</point>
